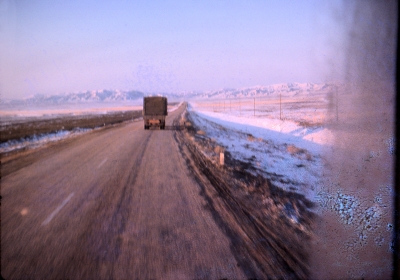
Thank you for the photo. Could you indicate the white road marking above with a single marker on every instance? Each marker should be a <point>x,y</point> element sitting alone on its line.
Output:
<point>51,216</point>
<point>104,161</point>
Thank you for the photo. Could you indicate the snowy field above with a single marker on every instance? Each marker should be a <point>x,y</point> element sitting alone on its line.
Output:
<point>311,109</point>
<point>303,148</point>
<point>23,113</point>
<point>16,116</point>
<point>37,141</point>
<point>287,151</point>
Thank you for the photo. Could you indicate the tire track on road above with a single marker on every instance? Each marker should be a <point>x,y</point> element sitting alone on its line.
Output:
<point>101,237</point>
<point>120,204</point>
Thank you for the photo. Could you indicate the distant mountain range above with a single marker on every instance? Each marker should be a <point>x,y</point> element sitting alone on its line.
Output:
<point>286,89</point>
<point>82,97</point>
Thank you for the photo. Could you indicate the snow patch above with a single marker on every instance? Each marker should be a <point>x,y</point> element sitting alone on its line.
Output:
<point>281,150</point>
<point>36,141</point>
<point>174,107</point>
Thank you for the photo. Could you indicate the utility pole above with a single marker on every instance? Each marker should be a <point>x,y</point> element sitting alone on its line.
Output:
<point>280,106</point>
<point>254,106</point>
<point>337,104</point>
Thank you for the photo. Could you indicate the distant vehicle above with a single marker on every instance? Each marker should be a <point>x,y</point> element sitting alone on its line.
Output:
<point>154,111</point>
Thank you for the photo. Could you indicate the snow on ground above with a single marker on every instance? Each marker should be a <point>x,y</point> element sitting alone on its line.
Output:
<point>36,141</point>
<point>10,113</point>
<point>281,150</point>
<point>27,112</point>
<point>300,156</point>
<point>71,111</point>
<point>173,108</point>
<point>41,140</point>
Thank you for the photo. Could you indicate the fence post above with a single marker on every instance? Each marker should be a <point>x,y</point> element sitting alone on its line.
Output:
<point>337,104</point>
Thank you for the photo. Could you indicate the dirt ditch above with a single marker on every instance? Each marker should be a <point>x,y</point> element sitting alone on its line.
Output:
<point>270,229</point>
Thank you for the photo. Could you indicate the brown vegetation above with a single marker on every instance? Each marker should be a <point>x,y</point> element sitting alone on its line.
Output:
<point>30,127</point>
<point>274,227</point>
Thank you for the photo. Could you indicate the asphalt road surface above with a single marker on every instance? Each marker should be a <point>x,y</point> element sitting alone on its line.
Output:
<point>115,203</point>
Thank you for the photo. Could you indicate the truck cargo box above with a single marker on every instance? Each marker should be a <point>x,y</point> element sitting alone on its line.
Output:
<point>155,108</point>
<point>155,105</point>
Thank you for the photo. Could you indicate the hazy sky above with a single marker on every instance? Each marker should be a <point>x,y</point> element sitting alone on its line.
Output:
<point>49,47</point>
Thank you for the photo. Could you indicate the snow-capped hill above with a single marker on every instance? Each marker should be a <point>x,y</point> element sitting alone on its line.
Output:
<point>108,96</point>
<point>286,89</point>
<point>85,97</point>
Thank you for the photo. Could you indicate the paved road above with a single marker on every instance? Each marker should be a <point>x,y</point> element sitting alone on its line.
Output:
<point>116,203</point>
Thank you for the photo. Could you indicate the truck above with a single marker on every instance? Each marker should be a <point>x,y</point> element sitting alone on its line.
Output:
<point>154,111</point>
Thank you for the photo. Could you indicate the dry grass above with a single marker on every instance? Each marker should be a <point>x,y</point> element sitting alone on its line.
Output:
<point>294,150</point>
<point>31,127</point>
<point>272,226</point>
<point>218,149</point>
<point>251,138</point>
<point>298,152</point>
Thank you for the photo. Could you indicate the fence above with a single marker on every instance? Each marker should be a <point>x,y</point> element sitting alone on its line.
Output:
<point>312,110</point>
